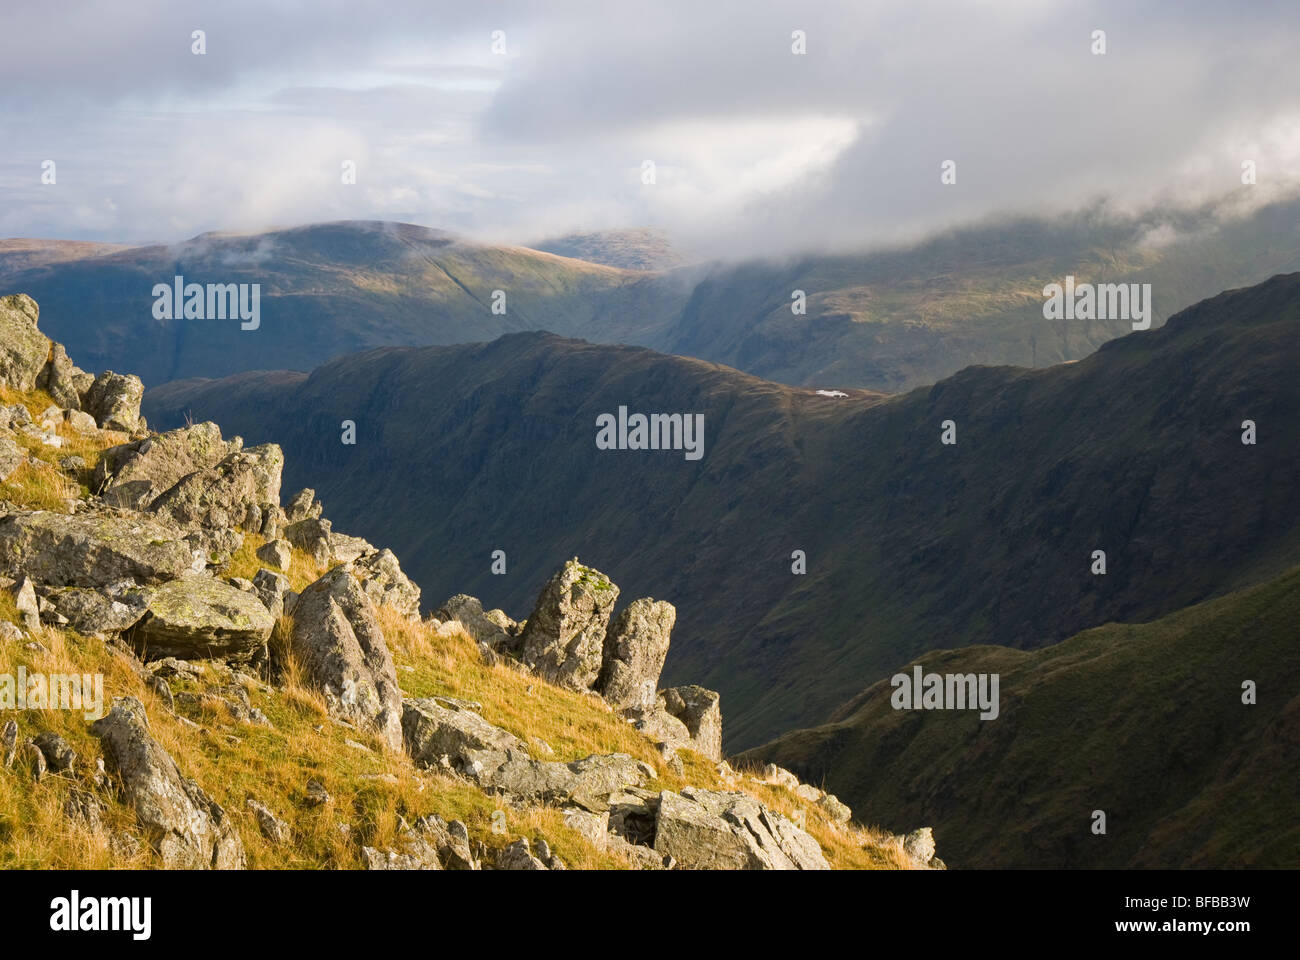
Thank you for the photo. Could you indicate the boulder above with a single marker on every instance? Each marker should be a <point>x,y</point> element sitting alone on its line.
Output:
<point>63,380</point>
<point>712,830</point>
<point>235,493</point>
<point>302,506</point>
<point>436,727</point>
<point>382,579</point>
<point>277,553</point>
<point>271,589</point>
<point>58,753</point>
<point>94,549</point>
<point>95,611</point>
<point>341,650</point>
<point>135,474</point>
<point>12,456</point>
<point>564,637</point>
<point>183,824</point>
<point>114,401</point>
<point>23,348</point>
<point>345,549</point>
<point>202,619</point>
<point>518,856</point>
<point>634,651</point>
<point>588,783</point>
<point>272,827</point>
<point>835,808</point>
<point>700,710</point>
<point>25,603</point>
<point>919,845</point>
<point>313,537</point>
<point>491,627</point>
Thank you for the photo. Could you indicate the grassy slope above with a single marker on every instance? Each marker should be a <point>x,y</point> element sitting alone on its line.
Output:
<point>1144,721</point>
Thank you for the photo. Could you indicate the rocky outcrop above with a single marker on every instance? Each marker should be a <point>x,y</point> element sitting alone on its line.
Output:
<point>382,580</point>
<point>240,492</point>
<point>634,650</point>
<point>94,549</point>
<point>114,401</point>
<point>564,637</point>
<point>183,824</point>
<point>23,348</point>
<point>341,650</point>
<point>135,474</point>
<point>202,619</point>
<point>700,711</point>
<point>109,610</point>
<point>711,830</point>
<point>491,627</point>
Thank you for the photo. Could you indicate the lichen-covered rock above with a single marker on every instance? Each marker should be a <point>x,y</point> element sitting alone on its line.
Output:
<point>236,493</point>
<point>491,627</point>
<point>63,380</point>
<point>341,650</point>
<point>381,577</point>
<point>634,651</point>
<point>712,830</point>
<point>564,637</point>
<point>137,473</point>
<point>436,727</point>
<point>919,845</point>
<point>95,611</point>
<point>277,553</point>
<point>202,619</point>
<point>183,824</point>
<point>12,456</point>
<point>114,401</point>
<point>94,549</point>
<point>271,588</point>
<point>701,712</point>
<point>23,348</point>
<point>313,537</point>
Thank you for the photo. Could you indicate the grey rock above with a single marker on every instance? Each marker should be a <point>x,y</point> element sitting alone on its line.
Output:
<point>302,506</point>
<point>316,794</point>
<point>271,589</point>
<point>341,650</point>
<point>710,830</point>
<point>23,348</point>
<point>182,823</point>
<point>517,856</point>
<point>30,758</point>
<point>634,650</point>
<point>12,456</point>
<point>564,637</point>
<point>202,619</point>
<point>382,579</point>
<point>24,597</point>
<point>277,553</point>
<point>272,827</point>
<point>135,474</point>
<point>114,401</point>
<point>835,808</point>
<point>701,712</point>
<point>313,537</point>
<point>9,742</point>
<point>63,380</point>
<point>84,810</point>
<point>93,611</point>
<point>919,845</point>
<point>484,627</point>
<point>59,755</point>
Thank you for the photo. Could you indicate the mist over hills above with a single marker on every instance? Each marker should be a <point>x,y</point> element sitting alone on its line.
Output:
<point>911,544</point>
<point>889,320</point>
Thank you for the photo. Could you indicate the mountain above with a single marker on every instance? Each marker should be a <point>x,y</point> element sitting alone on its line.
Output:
<point>327,290</point>
<point>1143,721</point>
<point>639,249</point>
<point>888,320</point>
<point>911,544</point>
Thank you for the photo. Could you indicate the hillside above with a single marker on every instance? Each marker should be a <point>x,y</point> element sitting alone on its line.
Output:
<point>911,544</point>
<point>199,673</point>
<point>887,320</point>
<point>1144,721</point>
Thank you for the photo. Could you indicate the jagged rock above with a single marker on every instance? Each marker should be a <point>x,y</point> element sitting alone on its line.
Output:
<point>382,579</point>
<point>835,808</point>
<point>277,553</point>
<point>634,650</point>
<point>186,826</point>
<point>311,536</point>
<point>84,810</point>
<point>93,549</point>
<point>23,348</point>
<point>231,495</point>
<point>434,727</point>
<point>485,627</point>
<point>114,401</point>
<point>316,794</point>
<point>341,650</point>
<point>82,423</point>
<point>589,783</point>
<point>63,380</point>
<point>450,840</point>
<point>201,619</point>
<point>9,742</point>
<point>91,611</point>
<point>780,776</point>
<point>517,856</point>
<point>24,596</point>
<point>32,759</point>
<point>593,826</point>
<point>12,456</point>
<point>272,827</point>
<point>919,845</point>
<point>563,638</point>
<point>345,549</point>
<point>135,474</point>
<point>701,711</point>
<point>271,589</point>
<point>710,830</point>
<point>59,755</point>
<point>302,506</point>
<point>547,856</point>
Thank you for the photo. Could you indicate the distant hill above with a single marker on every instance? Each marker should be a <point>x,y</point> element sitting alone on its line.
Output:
<point>911,544</point>
<point>1142,721</point>
<point>886,321</point>
<point>639,249</point>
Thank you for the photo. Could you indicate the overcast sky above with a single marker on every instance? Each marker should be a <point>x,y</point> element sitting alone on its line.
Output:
<point>756,150</point>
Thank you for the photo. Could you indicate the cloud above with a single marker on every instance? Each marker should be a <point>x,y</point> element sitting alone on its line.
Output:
<point>757,150</point>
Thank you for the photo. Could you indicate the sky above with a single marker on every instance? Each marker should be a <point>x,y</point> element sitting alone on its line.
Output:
<point>515,121</point>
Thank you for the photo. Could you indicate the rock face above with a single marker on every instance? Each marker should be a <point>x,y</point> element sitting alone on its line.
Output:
<point>93,549</point>
<point>382,579</point>
<point>341,649</point>
<point>491,627</point>
<point>634,651</point>
<point>710,830</point>
<point>564,637</point>
<point>23,348</point>
<point>186,826</point>
<point>202,619</point>
<point>114,401</point>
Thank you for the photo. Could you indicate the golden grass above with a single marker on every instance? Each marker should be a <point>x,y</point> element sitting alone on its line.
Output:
<point>372,788</point>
